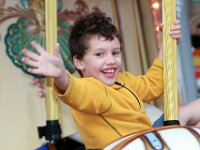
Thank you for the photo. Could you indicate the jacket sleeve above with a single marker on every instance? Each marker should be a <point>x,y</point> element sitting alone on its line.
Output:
<point>87,95</point>
<point>150,85</point>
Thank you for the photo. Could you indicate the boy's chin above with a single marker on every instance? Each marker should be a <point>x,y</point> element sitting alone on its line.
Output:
<point>109,82</point>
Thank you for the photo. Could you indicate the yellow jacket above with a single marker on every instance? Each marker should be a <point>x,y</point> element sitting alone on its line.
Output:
<point>105,113</point>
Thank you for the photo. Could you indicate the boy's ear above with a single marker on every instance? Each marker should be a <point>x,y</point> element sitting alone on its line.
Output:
<point>78,63</point>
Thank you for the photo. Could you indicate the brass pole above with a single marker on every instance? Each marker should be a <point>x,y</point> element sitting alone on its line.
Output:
<point>52,131</point>
<point>170,64</point>
<point>51,39</point>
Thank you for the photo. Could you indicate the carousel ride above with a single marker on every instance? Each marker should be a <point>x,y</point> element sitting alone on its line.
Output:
<point>172,136</point>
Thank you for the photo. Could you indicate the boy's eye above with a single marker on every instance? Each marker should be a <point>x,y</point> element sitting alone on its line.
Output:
<point>116,53</point>
<point>99,54</point>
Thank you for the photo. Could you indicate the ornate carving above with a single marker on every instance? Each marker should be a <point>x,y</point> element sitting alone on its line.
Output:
<point>30,25</point>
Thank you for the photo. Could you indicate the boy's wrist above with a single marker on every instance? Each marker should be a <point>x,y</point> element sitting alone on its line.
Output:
<point>61,82</point>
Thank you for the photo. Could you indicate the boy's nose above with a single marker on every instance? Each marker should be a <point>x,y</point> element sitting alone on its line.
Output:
<point>110,60</point>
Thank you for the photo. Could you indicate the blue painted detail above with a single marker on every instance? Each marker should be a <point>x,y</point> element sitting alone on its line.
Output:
<point>159,122</point>
<point>43,147</point>
<point>154,141</point>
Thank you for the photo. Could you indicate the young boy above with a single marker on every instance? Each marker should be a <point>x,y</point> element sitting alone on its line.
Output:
<point>106,103</point>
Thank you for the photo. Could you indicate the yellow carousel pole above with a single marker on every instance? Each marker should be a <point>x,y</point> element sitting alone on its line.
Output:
<point>170,64</point>
<point>51,39</point>
<point>52,130</point>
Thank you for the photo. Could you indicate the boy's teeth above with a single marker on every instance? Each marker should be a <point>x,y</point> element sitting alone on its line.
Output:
<point>109,71</point>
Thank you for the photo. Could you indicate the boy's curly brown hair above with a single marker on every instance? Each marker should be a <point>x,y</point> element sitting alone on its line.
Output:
<point>93,24</point>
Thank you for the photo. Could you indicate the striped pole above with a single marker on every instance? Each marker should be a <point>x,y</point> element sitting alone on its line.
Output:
<point>170,64</point>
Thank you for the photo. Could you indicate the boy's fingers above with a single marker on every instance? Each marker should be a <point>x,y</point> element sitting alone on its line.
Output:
<point>29,62</point>
<point>34,81</point>
<point>30,54</point>
<point>178,37</point>
<point>38,47</point>
<point>41,94</point>
<point>176,32</point>
<point>177,22</point>
<point>176,27</point>
<point>33,70</point>
<point>57,49</point>
<point>160,27</point>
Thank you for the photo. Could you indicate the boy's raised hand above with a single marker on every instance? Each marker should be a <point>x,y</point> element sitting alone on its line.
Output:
<point>175,31</point>
<point>43,63</point>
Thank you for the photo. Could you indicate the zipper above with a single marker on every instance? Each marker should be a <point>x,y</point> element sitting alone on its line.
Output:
<point>129,91</point>
<point>110,125</point>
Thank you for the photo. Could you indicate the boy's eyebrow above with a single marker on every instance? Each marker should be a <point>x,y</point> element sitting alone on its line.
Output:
<point>118,47</point>
<point>105,48</point>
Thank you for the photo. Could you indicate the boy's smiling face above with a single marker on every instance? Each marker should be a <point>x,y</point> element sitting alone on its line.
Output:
<point>102,60</point>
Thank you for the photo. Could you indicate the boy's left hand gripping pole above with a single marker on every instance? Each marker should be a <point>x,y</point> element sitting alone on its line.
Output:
<point>52,130</point>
